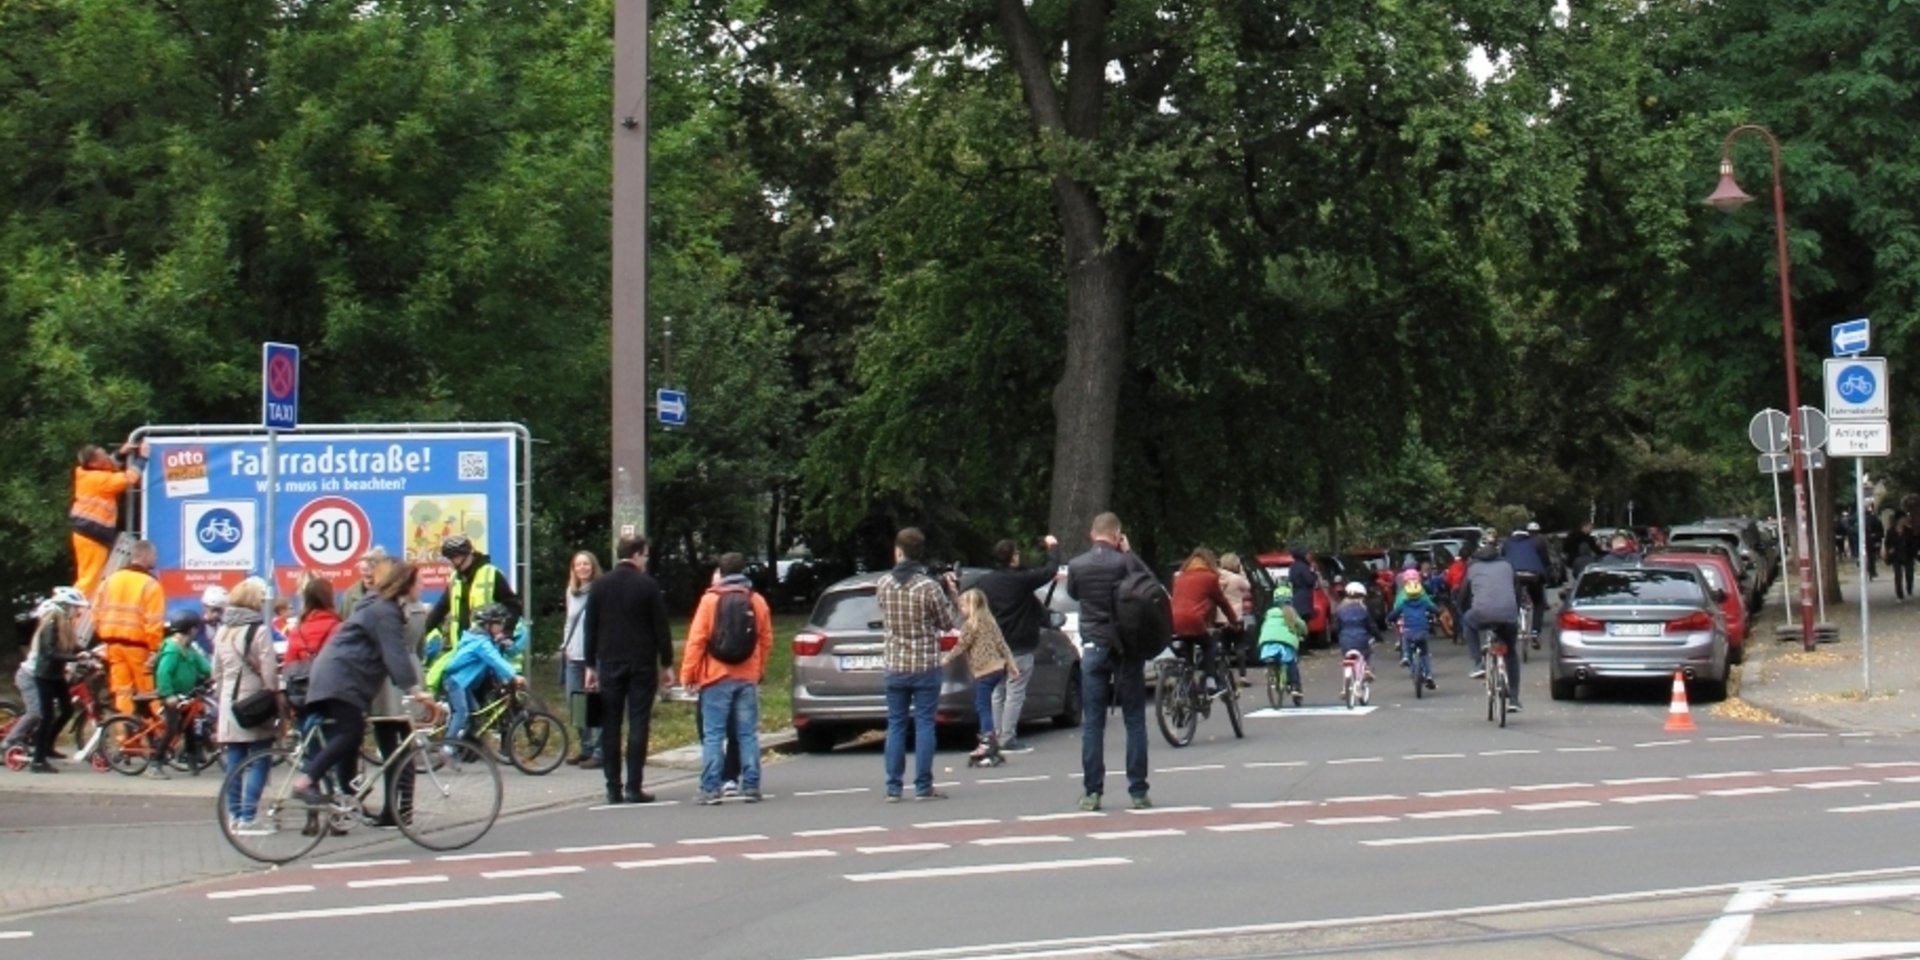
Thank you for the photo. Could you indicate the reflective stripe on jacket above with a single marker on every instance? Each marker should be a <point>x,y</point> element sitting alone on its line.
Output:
<point>479,591</point>
<point>131,609</point>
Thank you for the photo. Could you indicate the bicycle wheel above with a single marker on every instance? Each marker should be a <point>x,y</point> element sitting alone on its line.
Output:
<point>446,795</point>
<point>536,742</point>
<point>1348,693</point>
<point>1413,667</point>
<point>1173,704</point>
<point>273,828</point>
<point>1232,697</point>
<point>1275,689</point>
<point>1500,684</point>
<point>125,748</point>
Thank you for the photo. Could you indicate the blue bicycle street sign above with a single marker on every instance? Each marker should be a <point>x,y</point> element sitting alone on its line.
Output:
<point>1856,388</point>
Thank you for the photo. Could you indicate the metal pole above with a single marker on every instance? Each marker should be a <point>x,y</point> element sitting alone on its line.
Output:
<point>268,532</point>
<point>629,353</point>
<point>1781,516</point>
<point>1819,569</point>
<point>1860,511</point>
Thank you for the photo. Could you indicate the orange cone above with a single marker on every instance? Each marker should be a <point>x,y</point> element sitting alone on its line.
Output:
<point>1679,717</point>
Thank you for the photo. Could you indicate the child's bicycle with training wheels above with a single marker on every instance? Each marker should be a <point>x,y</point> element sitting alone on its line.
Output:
<point>1494,653</point>
<point>1355,688</point>
<point>443,796</point>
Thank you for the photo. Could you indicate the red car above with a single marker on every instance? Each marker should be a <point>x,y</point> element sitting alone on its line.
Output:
<point>1276,566</point>
<point>1720,576</point>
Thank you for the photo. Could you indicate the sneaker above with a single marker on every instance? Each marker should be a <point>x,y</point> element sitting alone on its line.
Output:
<point>252,828</point>
<point>1142,802</point>
<point>752,796</point>
<point>1429,682</point>
<point>1513,706</point>
<point>929,794</point>
<point>1477,675</point>
<point>1090,803</point>
<point>1015,746</point>
<point>893,798</point>
<point>1403,661</point>
<point>312,797</point>
<point>708,799</point>
<point>730,789</point>
<point>636,796</point>
<point>1298,698</point>
<point>157,770</point>
<point>42,767</point>
<point>590,763</point>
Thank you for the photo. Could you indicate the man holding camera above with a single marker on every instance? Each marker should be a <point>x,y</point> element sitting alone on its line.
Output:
<point>915,609</point>
<point>1010,595</point>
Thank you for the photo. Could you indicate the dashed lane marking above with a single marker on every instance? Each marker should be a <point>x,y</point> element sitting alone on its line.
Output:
<point>1531,787</point>
<point>1022,841</point>
<point>1745,791</point>
<point>361,864</point>
<point>809,854</point>
<point>1817,769</point>
<point>942,824</point>
<point>1463,792</point>
<point>16,934</point>
<point>1137,834</point>
<point>1744,736</point>
<point>633,806</point>
<point>712,841</point>
<point>1504,835</point>
<point>1723,775</point>
<point>1156,811</point>
<point>1451,814</point>
<point>1583,749</point>
<point>1367,798</point>
<point>1508,753</point>
<point>1798,736</point>
<point>1636,781</point>
<point>1350,821</point>
<point>1249,826</point>
<point>1663,743</point>
<point>1073,815</point>
<point>1834,784</point>
<point>553,871</point>
<point>904,848</point>
<point>1655,798</point>
<point>1265,764</point>
<point>988,868</point>
<point>607,847</point>
<point>260,892</point>
<point>663,862</point>
<point>1877,807</point>
<point>831,793</point>
<point>839,831</point>
<point>497,855</point>
<point>412,881</point>
<point>1036,778</point>
<point>1556,805</point>
<point>1271,804</point>
<point>1435,756</point>
<point>377,909</point>
<point>1888,764</point>
<point>1347,760</point>
<point>1193,768</point>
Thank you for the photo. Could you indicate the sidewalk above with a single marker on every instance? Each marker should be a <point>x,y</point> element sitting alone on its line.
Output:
<point>1825,688</point>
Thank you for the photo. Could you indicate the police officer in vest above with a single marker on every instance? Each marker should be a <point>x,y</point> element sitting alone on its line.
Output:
<point>476,583</point>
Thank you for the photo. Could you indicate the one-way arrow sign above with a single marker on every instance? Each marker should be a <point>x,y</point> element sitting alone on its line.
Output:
<point>1851,337</point>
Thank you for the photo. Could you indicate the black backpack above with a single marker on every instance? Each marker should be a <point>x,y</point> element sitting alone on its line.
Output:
<point>734,635</point>
<point>1142,615</point>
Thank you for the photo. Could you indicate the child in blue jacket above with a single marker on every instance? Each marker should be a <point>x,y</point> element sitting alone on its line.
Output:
<point>1416,613</point>
<point>477,657</point>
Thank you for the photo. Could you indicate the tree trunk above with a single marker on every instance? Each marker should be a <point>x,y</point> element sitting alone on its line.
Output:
<point>1086,400</point>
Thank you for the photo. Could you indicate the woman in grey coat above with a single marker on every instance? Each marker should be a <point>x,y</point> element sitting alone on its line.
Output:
<point>369,649</point>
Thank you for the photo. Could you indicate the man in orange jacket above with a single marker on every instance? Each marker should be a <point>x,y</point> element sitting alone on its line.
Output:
<point>725,659</point>
<point>129,619</point>
<point>98,483</point>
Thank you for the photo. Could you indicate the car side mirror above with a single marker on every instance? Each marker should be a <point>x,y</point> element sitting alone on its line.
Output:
<point>1056,619</point>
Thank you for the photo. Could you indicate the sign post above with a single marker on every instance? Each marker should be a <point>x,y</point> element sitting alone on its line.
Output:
<point>1813,436</point>
<point>279,410</point>
<point>1768,432</point>
<point>1857,404</point>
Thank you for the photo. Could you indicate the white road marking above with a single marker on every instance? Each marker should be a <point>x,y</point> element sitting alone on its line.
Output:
<point>1728,775</point>
<point>1655,798</point>
<point>939,824</point>
<point>1745,791</point>
<point>634,806</point>
<point>1156,811</point>
<point>1863,950</point>
<point>554,871</point>
<point>663,862</point>
<point>1903,779</point>
<point>1263,764</point>
<point>1071,815</point>
<point>1507,835</point>
<point>1556,805</point>
<point>1507,753</point>
<point>988,868</point>
<point>377,909</point>
<point>1582,749</point>
<point>501,855</point>
<point>1366,798</point>
<point>1269,713</point>
<point>607,847</point>
<point>1798,736</point>
<point>1834,784</point>
<point>1450,814</point>
<point>1354,760</point>
<point>361,864</point>
<point>1247,827</point>
<point>1349,821</point>
<point>838,831</point>
<point>1635,781</point>
<point>1137,834</point>
<point>1858,734</point>
<point>1531,787</point>
<point>1195,768</point>
<point>1861,893</point>
<point>792,854</point>
<point>1032,779</point>
<point>397,881</point>
<point>904,848</point>
<point>260,891</point>
<point>711,841</point>
<point>1434,756</point>
<point>1744,736</point>
<point>1888,764</point>
<point>1271,804</point>
<point>1725,934</point>
<point>1021,841</point>
<point>1467,792</point>
<point>1878,807</point>
<point>1663,743</point>
<point>830,793</point>
<point>1821,769</point>
<point>15,934</point>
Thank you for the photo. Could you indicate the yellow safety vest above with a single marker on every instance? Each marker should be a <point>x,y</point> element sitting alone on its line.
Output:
<point>457,605</point>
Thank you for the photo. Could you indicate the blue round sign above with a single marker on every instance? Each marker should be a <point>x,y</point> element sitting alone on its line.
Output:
<point>219,530</point>
<point>1857,383</point>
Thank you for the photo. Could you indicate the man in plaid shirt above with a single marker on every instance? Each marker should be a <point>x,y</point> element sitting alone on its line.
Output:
<point>916,609</point>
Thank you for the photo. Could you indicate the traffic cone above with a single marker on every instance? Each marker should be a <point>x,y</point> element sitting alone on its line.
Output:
<point>1679,718</point>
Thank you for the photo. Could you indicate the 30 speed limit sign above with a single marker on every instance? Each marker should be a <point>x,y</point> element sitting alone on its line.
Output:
<point>330,532</point>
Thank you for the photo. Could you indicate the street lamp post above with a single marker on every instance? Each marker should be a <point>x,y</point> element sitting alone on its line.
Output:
<point>1728,197</point>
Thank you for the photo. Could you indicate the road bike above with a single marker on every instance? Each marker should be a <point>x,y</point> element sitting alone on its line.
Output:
<point>1493,661</point>
<point>1355,688</point>
<point>1181,698</point>
<point>443,796</point>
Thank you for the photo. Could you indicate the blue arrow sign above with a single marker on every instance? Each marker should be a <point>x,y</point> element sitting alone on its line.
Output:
<point>1850,338</point>
<point>672,405</point>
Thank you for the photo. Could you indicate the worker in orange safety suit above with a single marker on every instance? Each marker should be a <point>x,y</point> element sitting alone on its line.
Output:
<point>129,619</point>
<point>98,483</point>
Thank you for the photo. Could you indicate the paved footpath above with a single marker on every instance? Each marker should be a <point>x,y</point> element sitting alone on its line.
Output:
<point>1826,688</point>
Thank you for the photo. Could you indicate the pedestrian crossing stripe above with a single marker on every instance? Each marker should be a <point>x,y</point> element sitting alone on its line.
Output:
<point>1334,711</point>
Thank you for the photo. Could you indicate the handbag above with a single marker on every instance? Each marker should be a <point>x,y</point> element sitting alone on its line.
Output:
<point>256,708</point>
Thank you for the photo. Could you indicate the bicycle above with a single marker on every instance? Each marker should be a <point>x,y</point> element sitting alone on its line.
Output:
<point>1355,688</point>
<point>1493,660</point>
<point>1277,685</point>
<point>133,740</point>
<point>1181,700</point>
<point>1526,623</point>
<point>1419,664</point>
<point>532,739</point>
<point>445,796</point>
<point>88,724</point>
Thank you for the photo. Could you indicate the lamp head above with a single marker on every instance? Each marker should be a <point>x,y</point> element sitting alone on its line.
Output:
<point>1727,197</point>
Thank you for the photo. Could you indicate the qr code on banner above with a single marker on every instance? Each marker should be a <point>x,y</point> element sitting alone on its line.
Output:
<point>473,465</point>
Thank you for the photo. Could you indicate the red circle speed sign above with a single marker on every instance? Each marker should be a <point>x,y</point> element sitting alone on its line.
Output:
<point>330,532</point>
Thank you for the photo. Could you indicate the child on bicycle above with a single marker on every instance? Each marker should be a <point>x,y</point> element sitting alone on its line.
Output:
<point>1416,613</point>
<point>478,657</point>
<point>1281,631</point>
<point>178,672</point>
<point>1353,625</point>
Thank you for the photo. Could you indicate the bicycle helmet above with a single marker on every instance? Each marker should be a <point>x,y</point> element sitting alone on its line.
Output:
<point>215,597</point>
<point>1415,588</point>
<point>1533,526</point>
<point>455,546</point>
<point>1356,589</point>
<point>68,597</point>
<point>186,621</point>
<point>492,613</point>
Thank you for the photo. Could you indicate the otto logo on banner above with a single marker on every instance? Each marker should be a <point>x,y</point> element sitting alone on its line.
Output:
<point>217,534</point>
<point>185,471</point>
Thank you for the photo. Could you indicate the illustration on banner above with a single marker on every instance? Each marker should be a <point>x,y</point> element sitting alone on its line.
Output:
<point>430,520</point>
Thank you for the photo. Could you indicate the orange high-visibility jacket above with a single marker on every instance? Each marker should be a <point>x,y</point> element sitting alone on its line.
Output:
<point>131,608</point>
<point>96,507</point>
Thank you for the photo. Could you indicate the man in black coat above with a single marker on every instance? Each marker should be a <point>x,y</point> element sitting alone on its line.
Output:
<point>1010,595</point>
<point>627,643</point>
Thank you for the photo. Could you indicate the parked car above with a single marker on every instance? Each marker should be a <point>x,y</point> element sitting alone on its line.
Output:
<point>1752,577</point>
<point>838,678</point>
<point>1722,582</point>
<point>1469,538</point>
<point>1640,623</point>
<point>1755,536</point>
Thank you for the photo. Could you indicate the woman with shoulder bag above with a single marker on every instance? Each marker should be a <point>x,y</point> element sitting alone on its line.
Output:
<point>581,574</point>
<point>246,679</point>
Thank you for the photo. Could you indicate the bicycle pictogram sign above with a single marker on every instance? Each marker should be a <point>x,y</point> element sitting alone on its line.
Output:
<point>1857,384</point>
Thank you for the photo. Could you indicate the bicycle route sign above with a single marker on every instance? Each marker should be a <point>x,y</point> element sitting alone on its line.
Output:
<point>1856,388</point>
<point>220,534</point>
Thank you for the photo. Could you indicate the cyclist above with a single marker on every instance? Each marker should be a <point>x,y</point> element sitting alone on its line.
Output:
<point>180,670</point>
<point>1416,613</point>
<point>1196,596</point>
<point>1491,603</point>
<point>475,583</point>
<point>61,611</point>
<point>1529,559</point>
<point>1354,625</point>
<point>477,659</point>
<point>1283,628</point>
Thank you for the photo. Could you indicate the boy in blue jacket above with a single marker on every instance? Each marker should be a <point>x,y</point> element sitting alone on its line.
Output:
<point>1416,613</point>
<point>477,657</point>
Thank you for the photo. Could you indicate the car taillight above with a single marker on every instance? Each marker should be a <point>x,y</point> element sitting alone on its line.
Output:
<point>1573,621</point>
<point>1690,623</point>
<point>809,644</point>
<point>949,640</point>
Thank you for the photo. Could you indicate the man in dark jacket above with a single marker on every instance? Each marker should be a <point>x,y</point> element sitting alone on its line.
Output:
<point>1010,595</point>
<point>1304,581</point>
<point>626,644</point>
<point>1091,579</point>
<point>1492,603</point>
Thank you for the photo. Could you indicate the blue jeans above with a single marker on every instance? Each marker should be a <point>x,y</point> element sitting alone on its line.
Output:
<point>729,705</point>
<point>918,692</point>
<point>242,804</point>
<point>1100,674</point>
<point>460,705</point>
<point>983,689</point>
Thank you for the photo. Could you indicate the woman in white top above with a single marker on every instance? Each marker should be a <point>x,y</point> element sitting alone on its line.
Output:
<point>581,572</point>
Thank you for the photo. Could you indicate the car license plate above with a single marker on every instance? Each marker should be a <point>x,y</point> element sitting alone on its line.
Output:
<point>1634,629</point>
<point>865,662</point>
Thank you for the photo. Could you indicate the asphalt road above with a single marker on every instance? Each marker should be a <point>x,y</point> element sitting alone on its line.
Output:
<point>1414,829</point>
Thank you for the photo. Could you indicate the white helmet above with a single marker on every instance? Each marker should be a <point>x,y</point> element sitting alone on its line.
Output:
<point>1356,589</point>
<point>1533,526</point>
<point>214,596</point>
<point>68,597</point>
